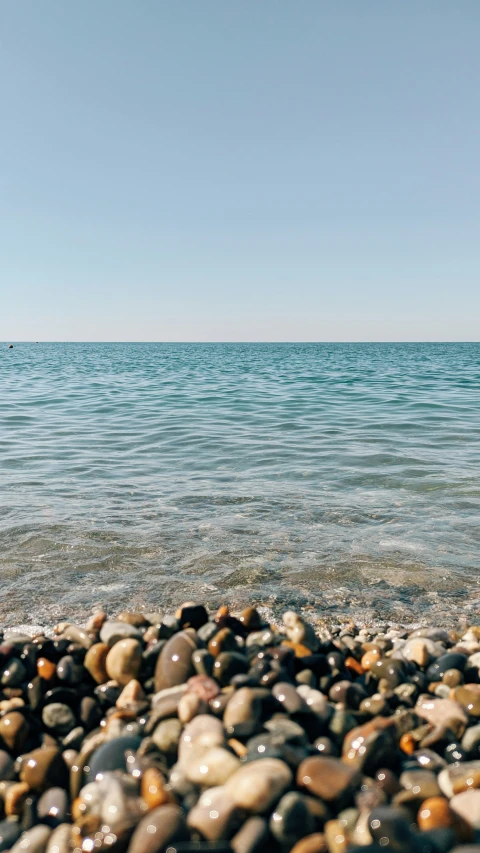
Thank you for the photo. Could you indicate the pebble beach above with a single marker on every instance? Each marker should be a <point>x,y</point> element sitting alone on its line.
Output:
<point>196,730</point>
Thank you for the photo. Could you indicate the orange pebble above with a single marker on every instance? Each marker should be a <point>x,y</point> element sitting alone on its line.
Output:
<point>300,650</point>
<point>238,747</point>
<point>408,743</point>
<point>354,666</point>
<point>153,789</point>
<point>46,669</point>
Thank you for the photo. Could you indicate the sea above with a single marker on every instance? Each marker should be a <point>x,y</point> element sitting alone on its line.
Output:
<point>342,480</point>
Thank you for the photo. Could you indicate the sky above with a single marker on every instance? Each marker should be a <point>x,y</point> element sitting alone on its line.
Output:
<point>214,170</point>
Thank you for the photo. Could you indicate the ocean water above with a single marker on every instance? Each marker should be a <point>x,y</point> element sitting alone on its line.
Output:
<point>342,479</point>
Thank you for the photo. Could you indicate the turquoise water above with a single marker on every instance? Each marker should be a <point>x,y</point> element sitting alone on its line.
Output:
<point>339,477</point>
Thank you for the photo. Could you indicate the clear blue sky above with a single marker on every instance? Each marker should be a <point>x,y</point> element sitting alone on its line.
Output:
<point>239,170</point>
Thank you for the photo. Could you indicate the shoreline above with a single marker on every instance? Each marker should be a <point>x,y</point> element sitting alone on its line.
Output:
<point>151,732</point>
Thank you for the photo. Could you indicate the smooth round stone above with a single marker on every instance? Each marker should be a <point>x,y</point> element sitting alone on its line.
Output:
<point>315,701</point>
<point>14,731</point>
<point>212,768</point>
<point>262,638</point>
<point>291,819</point>
<point>203,732</point>
<point>203,662</point>
<point>69,671</point>
<point>46,669</point>
<point>300,632</point>
<point>469,697</point>
<point>251,621</point>
<point>124,660</point>
<point>215,815</point>
<point>229,664</point>
<point>161,826</point>
<point>112,632</point>
<point>15,674</point>
<point>34,840</point>
<point>223,641</point>
<point>289,697</point>
<point>467,805</point>
<point>174,664</point>
<point>252,837</point>
<point>435,813</point>
<point>75,634</point>
<point>9,833</point>
<point>421,783</point>
<point>389,827</point>
<point>43,768</point>
<point>59,840</point>
<point>451,660</point>
<point>285,729</point>
<point>393,672</point>
<point>419,650</point>
<point>58,717</point>
<point>190,705</point>
<point>111,756</point>
<point>259,784</point>
<point>454,752</point>
<point>328,778</point>
<point>94,662</point>
<point>453,677</point>
<point>166,736</point>
<point>52,807</point>
<point>374,705</point>
<point>153,788</point>
<point>243,706</point>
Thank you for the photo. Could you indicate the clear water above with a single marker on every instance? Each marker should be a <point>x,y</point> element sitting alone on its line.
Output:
<point>341,478</point>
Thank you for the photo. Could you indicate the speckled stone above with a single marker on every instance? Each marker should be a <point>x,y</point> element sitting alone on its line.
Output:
<point>257,785</point>
<point>58,718</point>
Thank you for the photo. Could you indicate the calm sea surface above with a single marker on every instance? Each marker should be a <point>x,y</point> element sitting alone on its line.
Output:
<point>339,477</point>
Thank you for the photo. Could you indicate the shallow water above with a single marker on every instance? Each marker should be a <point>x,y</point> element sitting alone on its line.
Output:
<point>339,477</point>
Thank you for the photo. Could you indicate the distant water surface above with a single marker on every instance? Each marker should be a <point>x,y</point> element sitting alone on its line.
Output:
<point>340,478</point>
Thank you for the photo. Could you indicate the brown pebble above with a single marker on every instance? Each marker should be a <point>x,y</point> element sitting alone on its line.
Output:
<point>136,619</point>
<point>14,730</point>
<point>94,662</point>
<point>42,768</point>
<point>238,747</point>
<point>453,677</point>
<point>222,641</point>
<point>325,777</point>
<point>335,836</point>
<point>250,618</point>
<point>123,660</point>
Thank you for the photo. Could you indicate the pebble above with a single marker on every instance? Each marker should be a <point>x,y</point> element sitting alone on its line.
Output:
<point>154,730</point>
